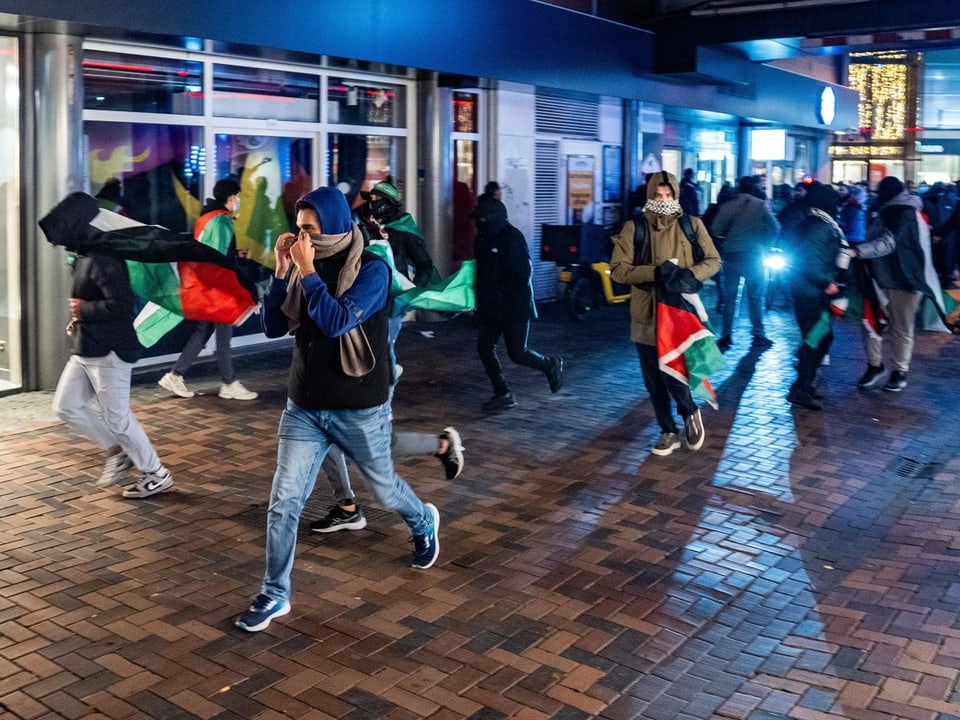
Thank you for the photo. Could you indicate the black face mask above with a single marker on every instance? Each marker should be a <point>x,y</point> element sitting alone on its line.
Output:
<point>381,208</point>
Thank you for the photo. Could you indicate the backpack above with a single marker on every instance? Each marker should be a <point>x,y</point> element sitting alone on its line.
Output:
<point>640,238</point>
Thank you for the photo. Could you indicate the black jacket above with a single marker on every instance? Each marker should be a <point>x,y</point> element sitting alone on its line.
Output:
<point>106,315</point>
<point>503,288</point>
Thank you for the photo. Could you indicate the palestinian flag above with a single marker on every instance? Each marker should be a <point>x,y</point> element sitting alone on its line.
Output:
<point>180,278</point>
<point>452,294</point>
<point>686,347</point>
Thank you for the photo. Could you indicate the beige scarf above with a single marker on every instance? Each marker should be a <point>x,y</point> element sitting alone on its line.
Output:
<point>356,355</point>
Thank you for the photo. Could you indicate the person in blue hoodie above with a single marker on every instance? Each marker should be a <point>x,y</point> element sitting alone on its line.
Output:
<point>331,295</point>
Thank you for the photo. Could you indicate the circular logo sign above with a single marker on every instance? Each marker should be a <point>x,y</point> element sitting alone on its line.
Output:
<point>828,106</point>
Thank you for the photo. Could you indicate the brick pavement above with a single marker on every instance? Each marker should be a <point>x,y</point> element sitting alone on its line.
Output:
<point>801,565</point>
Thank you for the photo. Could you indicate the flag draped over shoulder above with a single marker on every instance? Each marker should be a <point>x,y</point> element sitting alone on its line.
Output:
<point>454,293</point>
<point>686,348</point>
<point>180,278</point>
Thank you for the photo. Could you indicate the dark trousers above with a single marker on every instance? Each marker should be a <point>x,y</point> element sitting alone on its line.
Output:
<point>749,266</point>
<point>661,387</point>
<point>807,310</point>
<point>515,338</point>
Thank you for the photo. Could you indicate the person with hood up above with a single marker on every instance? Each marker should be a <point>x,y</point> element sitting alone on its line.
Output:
<point>897,255</point>
<point>330,293</point>
<point>504,297</point>
<point>814,247</point>
<point>640,267</point>
<point>215,229</point>
<point>103,348</point>
<point>853,215</point>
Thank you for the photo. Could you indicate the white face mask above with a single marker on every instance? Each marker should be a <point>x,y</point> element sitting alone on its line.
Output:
<point>236,206</point>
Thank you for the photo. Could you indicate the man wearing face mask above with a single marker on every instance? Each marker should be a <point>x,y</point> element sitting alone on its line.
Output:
<point>331,295</point>
<point>214,228</point>
<point>505,302</point>
<point>664,246</point>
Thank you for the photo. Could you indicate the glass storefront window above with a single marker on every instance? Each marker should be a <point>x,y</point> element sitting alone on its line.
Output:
<point>11,372</point>
<point>273,172</point>
<point>251,92</point>
<point>464,198</point>
<point>352,102</point>
<point>358,162</point>
<point>115,81</point>
<point>465,112</point>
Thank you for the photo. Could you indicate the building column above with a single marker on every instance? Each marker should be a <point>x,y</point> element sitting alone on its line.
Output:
<point>54,168</point>
<point>435,170</point>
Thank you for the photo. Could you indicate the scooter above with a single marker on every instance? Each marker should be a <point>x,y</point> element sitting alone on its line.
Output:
<point>580,253</point>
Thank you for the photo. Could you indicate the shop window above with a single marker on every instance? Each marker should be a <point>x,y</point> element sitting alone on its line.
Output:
<point>358,162</point>
<point>350,102</point>
<point>465,112</point>
<point>116,81</point>
<point>10,265</point>
<point>261,93</point>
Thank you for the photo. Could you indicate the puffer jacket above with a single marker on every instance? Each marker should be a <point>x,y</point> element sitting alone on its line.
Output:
<point>667,241</point>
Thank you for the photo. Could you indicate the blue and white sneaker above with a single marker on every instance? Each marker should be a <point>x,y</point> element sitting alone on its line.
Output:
<point>261,612</point>
<point>426,548</point>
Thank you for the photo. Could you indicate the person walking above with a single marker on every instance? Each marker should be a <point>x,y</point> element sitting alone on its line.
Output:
<point>504,296</point>
<point>747,227</point>
<point>331,294</point>
<point>664,242</point>
<point>215,229</point>
<point>814,247</point>
<point>103,348</point>
<point>898,264</point>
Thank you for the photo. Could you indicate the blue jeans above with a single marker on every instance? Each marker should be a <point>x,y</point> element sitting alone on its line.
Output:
<point>749,266</point>
<point>305,439</point>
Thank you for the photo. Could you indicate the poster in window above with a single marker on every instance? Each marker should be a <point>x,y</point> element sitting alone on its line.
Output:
<point>612,172</point>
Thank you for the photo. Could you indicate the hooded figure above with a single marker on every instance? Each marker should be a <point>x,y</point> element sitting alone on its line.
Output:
<point>664,245</point>
<point>814,248</point>
<point>406,240</point>
<point>504,296</point>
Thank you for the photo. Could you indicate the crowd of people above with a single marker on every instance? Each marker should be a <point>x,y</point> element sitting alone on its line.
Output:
<point>335,277</point>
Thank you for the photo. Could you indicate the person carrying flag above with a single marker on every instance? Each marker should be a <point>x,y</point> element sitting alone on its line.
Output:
<point>662,263</point>
<point>103,349</point>
<point>214,228</point>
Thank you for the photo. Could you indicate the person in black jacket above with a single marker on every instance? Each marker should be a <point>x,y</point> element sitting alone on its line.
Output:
<point>504,296</point>
<point>814,245</point>
<point>104,347</point>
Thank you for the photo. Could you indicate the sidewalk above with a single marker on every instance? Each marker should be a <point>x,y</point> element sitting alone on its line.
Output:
<point>801,565</point>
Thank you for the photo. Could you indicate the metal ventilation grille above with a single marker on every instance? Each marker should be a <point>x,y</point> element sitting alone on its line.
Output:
<point>747,91</point>
<point>546,203</point>
<point>570,117</point>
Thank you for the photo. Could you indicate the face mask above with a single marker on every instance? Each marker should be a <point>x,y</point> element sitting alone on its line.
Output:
<point>380,208</point>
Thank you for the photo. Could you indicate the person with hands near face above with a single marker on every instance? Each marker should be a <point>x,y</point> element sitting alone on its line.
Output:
<point>331,295</point>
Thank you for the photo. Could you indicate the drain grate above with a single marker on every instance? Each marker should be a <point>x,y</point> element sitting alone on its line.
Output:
<point>911,468</point>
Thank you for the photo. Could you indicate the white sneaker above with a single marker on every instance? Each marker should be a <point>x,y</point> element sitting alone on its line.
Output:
<point>150,484</point>
<point>236,391</point>
<point>174,383</point>
<point>114,469</point>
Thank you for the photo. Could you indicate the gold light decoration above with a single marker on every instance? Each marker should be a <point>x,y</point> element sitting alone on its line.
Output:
<point>882,82</point>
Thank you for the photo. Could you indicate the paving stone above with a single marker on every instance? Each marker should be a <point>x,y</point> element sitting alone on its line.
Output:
<point>784,570</point>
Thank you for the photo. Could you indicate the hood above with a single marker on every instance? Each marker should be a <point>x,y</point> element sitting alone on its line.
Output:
<point>823,197</point>
<point>490,215</point>
<point>905,198</point>
<point>331,207</point>
<point>662,178</point>
<point>67,224</point>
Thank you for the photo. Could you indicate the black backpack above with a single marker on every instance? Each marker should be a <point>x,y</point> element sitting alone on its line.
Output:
<point>640,237</point>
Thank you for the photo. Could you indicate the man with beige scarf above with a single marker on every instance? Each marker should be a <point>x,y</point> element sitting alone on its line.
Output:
<point>332,296</point>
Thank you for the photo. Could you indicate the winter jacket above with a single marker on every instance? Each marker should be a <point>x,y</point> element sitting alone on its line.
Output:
<point>746,225</point>
<point>107,311</point>
<point>667,241</point>
<point>897,260</point>
<point>503,283</point>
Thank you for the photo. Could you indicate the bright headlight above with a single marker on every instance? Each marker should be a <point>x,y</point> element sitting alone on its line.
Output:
<point>775,262</point>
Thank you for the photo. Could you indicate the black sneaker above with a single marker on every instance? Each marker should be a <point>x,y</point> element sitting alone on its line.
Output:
<point>555,373</point>
<point>499,402</point>
<point>452,457</point>
<point>871,376</point>
<point>693,431</point>
<point>803,399</point>
<point>666,444</point>
<point>724,343</point>
<point>896,382</point>
<point>339,519</point>
<point>761,343</point>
